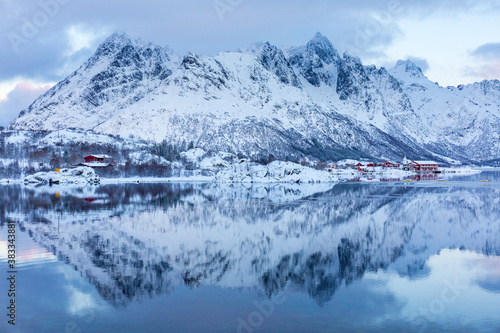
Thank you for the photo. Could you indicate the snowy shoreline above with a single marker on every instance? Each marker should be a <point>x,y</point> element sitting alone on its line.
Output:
<point>243,172</point>
<point>132,180</point>
<point>461,171</point>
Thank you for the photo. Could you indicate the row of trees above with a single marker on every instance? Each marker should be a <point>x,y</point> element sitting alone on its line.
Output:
<point>170,152</point>
<point>129,169</point>
<point>26,157</point>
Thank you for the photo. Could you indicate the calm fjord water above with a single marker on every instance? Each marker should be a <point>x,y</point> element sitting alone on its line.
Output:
<point>385,257</point>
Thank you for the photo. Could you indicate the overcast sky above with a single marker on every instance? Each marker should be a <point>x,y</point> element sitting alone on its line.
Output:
<point>43,41</point>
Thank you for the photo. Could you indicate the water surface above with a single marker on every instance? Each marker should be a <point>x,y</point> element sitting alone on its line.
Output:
<point>384,257</point>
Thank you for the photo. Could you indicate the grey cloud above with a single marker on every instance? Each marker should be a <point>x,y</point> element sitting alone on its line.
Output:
<point>17,100</point>
<point>487,71</point>
<point>38,59</point>
<point>420,62</point>
<point>486,64</point>
<point>200,26</point>
<point>487,51</point>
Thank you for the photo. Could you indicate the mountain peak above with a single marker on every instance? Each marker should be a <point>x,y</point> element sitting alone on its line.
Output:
<point>254,48</point>
<point>409,67</point>
<point>348,57</point>
<point>273,59</point>
<point>319,37</point>
<point>117,39</point>
<point>113,44</point>
<point>118,35</point>
<point>323,48</point>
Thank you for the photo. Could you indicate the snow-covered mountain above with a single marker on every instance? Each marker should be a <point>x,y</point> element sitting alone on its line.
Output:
<point>301,101</point>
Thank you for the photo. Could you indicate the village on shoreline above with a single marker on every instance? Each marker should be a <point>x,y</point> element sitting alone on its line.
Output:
<point>226,168</point>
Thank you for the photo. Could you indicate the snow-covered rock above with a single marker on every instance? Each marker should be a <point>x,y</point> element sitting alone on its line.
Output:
<point>79,175</point>
<point>193,157</point>
<point>275,172</point>
<point>217,160</point>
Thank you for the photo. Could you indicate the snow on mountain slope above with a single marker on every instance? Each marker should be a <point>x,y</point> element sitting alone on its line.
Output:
<point>303,101</point>
<point>464,120</point>
<point>120,73</point>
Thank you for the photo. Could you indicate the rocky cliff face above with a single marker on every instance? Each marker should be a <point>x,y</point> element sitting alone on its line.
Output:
<point>303,101</point>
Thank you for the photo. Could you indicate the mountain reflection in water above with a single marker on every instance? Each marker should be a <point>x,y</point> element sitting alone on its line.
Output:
<point>138,240</point>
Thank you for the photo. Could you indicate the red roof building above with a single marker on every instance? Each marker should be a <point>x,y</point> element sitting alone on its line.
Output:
<point>390,165</point>
<point>422,166</point>
<point>97,161</point>
<point>98,158</point>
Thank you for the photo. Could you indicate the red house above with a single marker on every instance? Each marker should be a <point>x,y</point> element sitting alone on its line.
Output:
<point>422,166</point>
<point>369,165</point>
<point>97,161</point>
<point>98,158</point>
<point>390,164</point>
